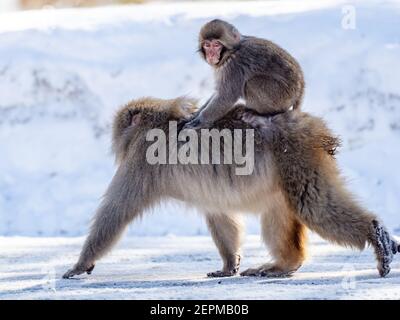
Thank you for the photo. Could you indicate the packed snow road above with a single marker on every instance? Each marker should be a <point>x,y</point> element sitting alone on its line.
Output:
<point>175,268</point>
<point>64,73</point>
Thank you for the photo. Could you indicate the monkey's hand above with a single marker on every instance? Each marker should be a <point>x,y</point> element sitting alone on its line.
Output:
<point>222,274</point>
<point>195,123</point>
<point>77,270</point>
<point>228,272</point>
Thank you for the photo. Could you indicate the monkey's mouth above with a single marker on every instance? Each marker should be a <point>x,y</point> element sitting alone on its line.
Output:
<point>213,59</point>
<point>216,57</point>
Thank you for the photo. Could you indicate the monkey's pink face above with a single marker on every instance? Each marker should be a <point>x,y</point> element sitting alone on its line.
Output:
<point>212,50</point>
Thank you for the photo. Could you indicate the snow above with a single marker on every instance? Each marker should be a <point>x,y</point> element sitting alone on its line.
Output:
<point>175,268</point>
<point>8,5</point>
<point>64,73</point>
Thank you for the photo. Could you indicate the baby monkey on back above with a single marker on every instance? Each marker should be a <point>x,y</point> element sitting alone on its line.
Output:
<point>267,77</point>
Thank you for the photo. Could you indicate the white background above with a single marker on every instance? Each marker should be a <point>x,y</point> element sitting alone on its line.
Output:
<point>64,73</point>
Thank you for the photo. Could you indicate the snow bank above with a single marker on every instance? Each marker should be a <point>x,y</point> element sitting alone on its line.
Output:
<point>64,73</point>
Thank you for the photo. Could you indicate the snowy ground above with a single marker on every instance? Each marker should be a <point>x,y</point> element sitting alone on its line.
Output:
<point>175,268</point>
<point>63,73</point>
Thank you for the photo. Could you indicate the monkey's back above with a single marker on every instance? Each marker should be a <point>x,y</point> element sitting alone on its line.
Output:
<point>286,153</point>
<point>262,56</point>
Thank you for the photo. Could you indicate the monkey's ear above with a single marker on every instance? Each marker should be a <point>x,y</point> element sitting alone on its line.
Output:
<point>135,118</point>
<point>236,35</point>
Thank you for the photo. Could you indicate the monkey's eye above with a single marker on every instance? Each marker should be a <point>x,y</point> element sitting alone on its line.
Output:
<point>216,44</point>
<point>207,44</point>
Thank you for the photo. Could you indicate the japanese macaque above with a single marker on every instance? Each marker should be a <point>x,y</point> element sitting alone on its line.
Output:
<point>295,184</point>
<point>267,77</point>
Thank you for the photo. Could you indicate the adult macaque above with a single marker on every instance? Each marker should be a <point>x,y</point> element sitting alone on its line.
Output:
<point>267,77</point>
<point>295,184</point>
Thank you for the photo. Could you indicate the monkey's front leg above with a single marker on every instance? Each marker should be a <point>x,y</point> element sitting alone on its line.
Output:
<point>226,231</point>
<point>109,223</point>
<point>285,237</point>
<point>122,203</point>
<point>195,121</point>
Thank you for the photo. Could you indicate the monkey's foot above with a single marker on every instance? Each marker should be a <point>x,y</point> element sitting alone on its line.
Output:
<point>268,270</point>
<point>385,247</point>
<point>255,120</point>
<point>76,270</point>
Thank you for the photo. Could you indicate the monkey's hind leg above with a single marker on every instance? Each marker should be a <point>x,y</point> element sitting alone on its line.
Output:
<point>327,208</point>
<point>285,237</point>
<point>226,231</point>
<point>384,245</point>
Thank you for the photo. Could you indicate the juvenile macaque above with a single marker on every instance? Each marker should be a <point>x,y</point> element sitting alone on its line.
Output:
<point>267,77</point>
<point>295,184</point>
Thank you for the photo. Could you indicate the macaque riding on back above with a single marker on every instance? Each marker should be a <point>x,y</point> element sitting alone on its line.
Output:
<point>267,77</point>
